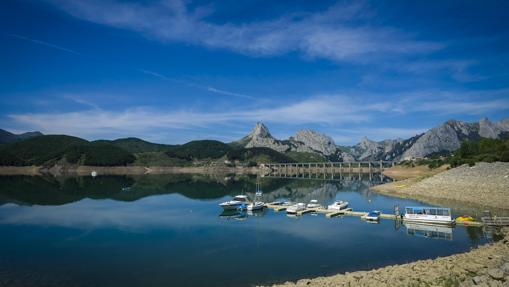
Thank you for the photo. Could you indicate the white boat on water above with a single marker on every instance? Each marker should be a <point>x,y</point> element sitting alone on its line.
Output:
<point>428,215</point>
<point>338,205</point>
<point>313,203</point>
<point>296,208</point>
<point>238,202</point>
<point>258,205</point>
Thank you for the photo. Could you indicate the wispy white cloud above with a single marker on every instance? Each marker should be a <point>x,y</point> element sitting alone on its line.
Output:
<point>227,93</point>
<point>80,100</point>
<point>329,34</point>
<point>347,136</point>
<point>196,85</point>
<point>327,110</point>
<point>330,111</point>
<point>144,71</point>
<point>46,44</point>
<point>480,102</point>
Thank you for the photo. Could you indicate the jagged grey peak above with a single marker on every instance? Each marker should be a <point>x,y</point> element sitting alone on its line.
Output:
<point>261,137</point>
<point>347,157</point>
<point>446,137</point>
<point>367,149</point>
<point>316,141</point>
<point>488,129</point>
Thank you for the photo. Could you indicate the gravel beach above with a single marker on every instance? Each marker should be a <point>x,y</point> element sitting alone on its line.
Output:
<point>485,185</point>
<point>487,265</point>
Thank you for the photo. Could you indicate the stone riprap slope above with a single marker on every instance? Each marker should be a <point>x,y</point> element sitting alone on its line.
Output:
<point>487,265</point>
<point>484,185</point>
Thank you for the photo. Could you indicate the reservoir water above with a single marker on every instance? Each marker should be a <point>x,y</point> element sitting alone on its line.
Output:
<point>168,230</point>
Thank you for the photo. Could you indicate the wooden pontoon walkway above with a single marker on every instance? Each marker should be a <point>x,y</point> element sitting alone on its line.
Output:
<point>349,212</point>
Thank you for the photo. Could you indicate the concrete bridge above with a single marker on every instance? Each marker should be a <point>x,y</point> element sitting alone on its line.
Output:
<point>327,167</point>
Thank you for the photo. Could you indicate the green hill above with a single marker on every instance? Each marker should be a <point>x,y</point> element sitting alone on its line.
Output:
<point>136,145</point>
<point>47,150</point>
<point>8,137</point>
<point>202,149</point>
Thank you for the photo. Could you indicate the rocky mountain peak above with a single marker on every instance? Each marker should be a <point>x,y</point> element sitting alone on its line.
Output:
<point>316,141</point>
<point>493,130</point>
<point>260,130</point>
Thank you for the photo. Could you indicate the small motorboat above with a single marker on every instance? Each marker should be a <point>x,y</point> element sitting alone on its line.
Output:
<point>338,205</point>
<point>281,203</point>
<point>296,208</point>
<point>238,202</point>
<point>372,216</point>
<point>258,205</point>
<point>313,203</point>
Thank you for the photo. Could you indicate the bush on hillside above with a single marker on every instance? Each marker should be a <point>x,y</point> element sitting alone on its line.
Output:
<point>203,149</point>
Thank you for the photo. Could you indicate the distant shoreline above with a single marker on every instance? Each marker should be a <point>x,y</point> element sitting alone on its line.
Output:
<point>122,170</point>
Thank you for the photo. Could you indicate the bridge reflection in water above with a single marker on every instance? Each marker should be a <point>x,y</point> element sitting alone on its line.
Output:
<point>371,178</point>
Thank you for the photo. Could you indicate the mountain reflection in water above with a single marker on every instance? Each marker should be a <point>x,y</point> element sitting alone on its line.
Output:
<point>162,230</point>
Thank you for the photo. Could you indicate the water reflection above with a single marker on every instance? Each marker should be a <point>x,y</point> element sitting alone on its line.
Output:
<point>170,229</point>
<point>429,231</point>
<point>233,214</point>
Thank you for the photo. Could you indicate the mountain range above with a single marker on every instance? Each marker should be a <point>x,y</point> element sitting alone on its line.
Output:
<point>445,138</point>
<point>305,145</point>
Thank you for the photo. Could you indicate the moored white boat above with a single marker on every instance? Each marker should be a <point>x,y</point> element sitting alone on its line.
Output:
<point>296,208</point>
<point>313,203</point>
<point>428,215</point>
<point>238,202</point>
<point>338,205</point>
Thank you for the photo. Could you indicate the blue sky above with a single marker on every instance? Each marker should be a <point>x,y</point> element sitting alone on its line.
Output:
<point>174,71</point>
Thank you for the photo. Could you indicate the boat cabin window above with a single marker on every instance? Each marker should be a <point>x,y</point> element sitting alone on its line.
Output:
<point>239,198</point>
<point>428,211</point>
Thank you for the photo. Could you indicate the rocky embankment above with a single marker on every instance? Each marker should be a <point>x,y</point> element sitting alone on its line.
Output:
<point>487,265</point>
<point>485,185</point>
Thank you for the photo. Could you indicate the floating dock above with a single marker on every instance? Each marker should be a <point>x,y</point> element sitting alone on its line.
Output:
<point>349,212</point>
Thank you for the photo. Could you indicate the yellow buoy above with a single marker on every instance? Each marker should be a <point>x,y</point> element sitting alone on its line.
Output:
<point>465,218</point>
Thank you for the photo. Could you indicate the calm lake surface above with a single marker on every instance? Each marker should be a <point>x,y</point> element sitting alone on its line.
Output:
<point>168,230</point>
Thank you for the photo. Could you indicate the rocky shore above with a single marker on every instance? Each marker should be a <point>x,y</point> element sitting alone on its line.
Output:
<point>487,265</point>
<point>485,185</point>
